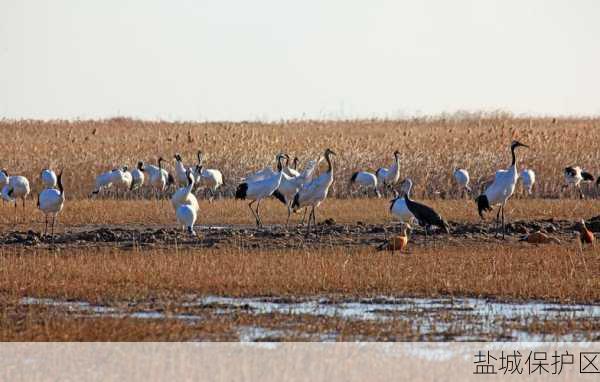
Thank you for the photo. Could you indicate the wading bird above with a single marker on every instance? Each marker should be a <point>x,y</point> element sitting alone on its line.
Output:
<point>17,187</point>
<point>574,176</point>
<point>137,176</point>
<point>122,179</point>
<point>425,215</point>
<point>186,210</point>
<point>182,196</point>
<point>398,207</point>
<point>365,179</point>
<point>290,186</point>
<point>180,171</point>
<point>528,179</point>
<point>51,202</point>
<point>315,192</point>
<point>586,236</point>
<point>158,177</point>
<point>396,243</point>
<point>48,178</point>
<point>258,190</point>
<point>389,177</point>
<point>501,189</point>
<point>211,178</point>
<point>461,177</point>
<point>103,181</point>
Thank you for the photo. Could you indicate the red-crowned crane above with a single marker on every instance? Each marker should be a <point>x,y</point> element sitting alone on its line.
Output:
<point>366,180</point>
<point>389,177</point>
<point>260,189</point>
<point>461,177</point>
<point>314,193</point>
<point>528,179</point>
<point>51,202</point>
<point>574,176</point>
<point>501,189</point>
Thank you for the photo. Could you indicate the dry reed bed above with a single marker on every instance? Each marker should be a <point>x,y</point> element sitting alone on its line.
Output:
<point>108,276</point>
<point>228,211</point>
<point>429,148</point>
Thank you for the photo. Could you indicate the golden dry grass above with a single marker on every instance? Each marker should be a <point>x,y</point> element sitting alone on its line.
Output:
<point>430,147</point>
<point>523,271</point>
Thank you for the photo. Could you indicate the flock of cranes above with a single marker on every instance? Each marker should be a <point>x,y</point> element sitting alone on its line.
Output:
<point>295,189</point>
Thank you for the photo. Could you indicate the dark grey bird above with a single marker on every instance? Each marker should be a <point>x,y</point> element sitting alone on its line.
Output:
<point>425,215</point>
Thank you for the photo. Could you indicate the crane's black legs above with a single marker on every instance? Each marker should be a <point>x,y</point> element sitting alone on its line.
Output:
<point>289,208</point>
<point>46,227</point>
<point>254,213</point>
<point>258,214</point>
<point>311,216</point>
<point>304,216</point>
<point>498,219</point>
<point>503,226</point>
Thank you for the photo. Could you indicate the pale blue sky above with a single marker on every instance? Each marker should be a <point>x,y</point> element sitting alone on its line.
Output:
<point>263,59</point>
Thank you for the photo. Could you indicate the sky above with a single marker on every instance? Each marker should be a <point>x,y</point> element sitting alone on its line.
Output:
<point>276,59</point>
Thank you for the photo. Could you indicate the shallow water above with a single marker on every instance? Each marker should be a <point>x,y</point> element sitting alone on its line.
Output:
<point>463,319</point>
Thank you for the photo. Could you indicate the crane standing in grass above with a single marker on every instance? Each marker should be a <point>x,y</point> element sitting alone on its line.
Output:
<point>16,187</point>
<point>574,176</point>
<point>365,179</point>
<point>461,177</point>
<point>315,192</point>
<point>389,177</point>
<point>186,205</point>
<point>528,179</point>
<point>501,189</point>
<point>290,185</point>
<point>210,177</point>
<point>260,189</point>
<point>137,177</point>
<point>51,202</point>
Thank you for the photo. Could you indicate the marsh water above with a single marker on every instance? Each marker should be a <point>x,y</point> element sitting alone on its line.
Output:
<point>437,319</point>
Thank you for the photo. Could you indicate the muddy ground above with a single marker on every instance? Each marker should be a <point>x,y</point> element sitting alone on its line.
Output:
<point>327,234</point>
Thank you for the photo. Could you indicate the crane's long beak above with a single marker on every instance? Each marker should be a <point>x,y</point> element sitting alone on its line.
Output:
<point>520,144</point>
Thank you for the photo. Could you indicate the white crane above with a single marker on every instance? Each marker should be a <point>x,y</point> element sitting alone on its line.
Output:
<point>389,177</point>
<point>290,186</point>
<point>182,196</point>
<point>17,187</point>
<point>365,179</point>
<point>260,189</point>
<point>501,189</point>
<point>180,171</point>
<point>48,178</point>
<point>121,178</point>
<point>528,179</point>
<point>211,178</point>
<point>103,181</point>
<point>137,176</point>
<point>574,176</point>
<point>158,177</point>
<point>315,192</point>
<point>51,202</point>
<point>186,208</point>
<point>461,177</point>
